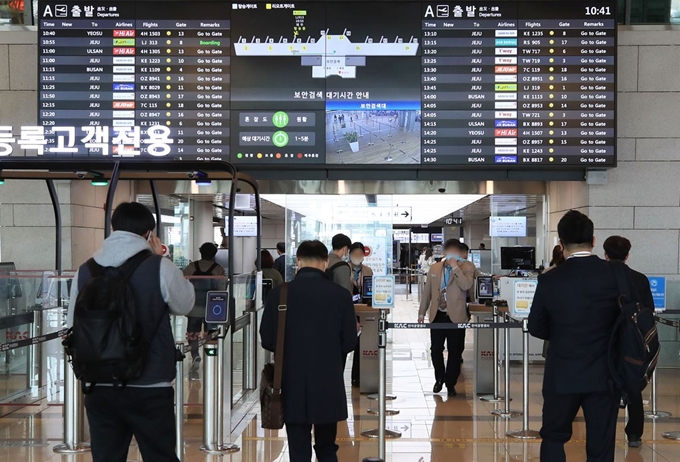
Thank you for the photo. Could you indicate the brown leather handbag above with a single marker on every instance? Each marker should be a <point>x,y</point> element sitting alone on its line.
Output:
<point>270,385</point>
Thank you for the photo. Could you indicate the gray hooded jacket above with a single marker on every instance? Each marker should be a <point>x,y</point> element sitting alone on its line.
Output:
<point>167,293</point>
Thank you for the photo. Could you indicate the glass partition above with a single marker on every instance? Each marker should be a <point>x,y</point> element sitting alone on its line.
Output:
<point>518,221</point>
<point>370,224</point>
<point>32,304</point>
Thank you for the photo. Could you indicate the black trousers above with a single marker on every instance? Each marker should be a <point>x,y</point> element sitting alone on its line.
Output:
<point>355,364</point>
<point>636,416</point>
<point>300,442</point>
<point>115,415</point>
<point>600,411</point>
<point>355,359</point>
<point>448,374</point>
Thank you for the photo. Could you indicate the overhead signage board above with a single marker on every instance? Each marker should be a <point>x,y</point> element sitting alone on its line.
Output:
<point>370,214</point>
<point>508,226</point>
<point>332,84</point>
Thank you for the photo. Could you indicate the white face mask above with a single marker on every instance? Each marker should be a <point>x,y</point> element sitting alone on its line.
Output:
<point>357,261</point>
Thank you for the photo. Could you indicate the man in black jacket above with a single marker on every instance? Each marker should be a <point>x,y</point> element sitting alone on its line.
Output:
<point>280,262</point>
<point>575,307</point>
<point>617,248</point>
<point>320,331</point>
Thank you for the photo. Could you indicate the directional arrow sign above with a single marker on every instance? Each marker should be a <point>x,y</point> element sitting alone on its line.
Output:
<point>402,214</point>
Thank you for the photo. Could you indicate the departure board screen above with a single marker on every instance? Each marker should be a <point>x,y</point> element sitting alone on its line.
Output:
<point>501,84</point>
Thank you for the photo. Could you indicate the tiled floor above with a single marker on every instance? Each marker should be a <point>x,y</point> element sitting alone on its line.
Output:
<point>434,428</point>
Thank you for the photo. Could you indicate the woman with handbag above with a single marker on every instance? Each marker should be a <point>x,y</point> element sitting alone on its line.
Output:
<point>310,326</point>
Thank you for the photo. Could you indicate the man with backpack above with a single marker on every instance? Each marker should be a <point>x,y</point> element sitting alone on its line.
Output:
<point>617,248</point>
<point>121,343</point>
<point>576,308</point>
<point>205,272</point>
<point>339,270</point>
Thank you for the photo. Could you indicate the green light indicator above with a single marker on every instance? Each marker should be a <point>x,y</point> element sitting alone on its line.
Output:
<point>280,119</point>
<point>280,139</point>
<point>239,155</point>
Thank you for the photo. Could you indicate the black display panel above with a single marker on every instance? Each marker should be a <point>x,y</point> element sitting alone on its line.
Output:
<point>428,85</point>
<point>110,71</point>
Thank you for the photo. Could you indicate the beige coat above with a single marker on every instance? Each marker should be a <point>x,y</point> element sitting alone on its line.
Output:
<point>461,280</point>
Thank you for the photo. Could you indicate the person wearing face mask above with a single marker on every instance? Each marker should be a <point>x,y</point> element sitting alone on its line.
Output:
<point>339,270</point>
<point>444,300</point>
<point>359,270</point>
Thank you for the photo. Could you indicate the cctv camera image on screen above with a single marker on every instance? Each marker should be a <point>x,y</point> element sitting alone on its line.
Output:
<point>373,83</point>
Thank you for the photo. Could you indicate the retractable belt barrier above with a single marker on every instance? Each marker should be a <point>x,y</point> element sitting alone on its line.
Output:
<point>668,322</point>
<point>509,323</point>
<point>32,341</point>
<point>453,326</point>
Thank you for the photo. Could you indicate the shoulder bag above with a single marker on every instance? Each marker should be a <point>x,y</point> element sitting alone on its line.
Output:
<point>272,374</point>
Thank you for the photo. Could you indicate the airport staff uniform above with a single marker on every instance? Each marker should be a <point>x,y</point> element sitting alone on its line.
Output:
<point>575,307</point>
<point>445,300</point>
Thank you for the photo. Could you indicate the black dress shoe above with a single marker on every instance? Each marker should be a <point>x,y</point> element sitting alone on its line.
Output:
<point>634,441</point>
<point>452,392</point>
<point>438,385</point>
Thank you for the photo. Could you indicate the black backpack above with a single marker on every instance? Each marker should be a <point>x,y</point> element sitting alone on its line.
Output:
<point>106,344</point>
<point>634,345</point>
<point>203,286</point>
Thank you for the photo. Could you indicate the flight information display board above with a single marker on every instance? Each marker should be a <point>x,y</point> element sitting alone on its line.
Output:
<point>340,83</point>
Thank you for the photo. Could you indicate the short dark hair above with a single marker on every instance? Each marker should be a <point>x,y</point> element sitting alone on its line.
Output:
<point>281,247</point>
<point>340,240</point>
<point>617,247</point>
<point>464,247</point>
<point>133,217</point>
<point>357,245</point>
<point>452,244</point>
<point>575,229</point>
<point>208,251</point>
<point>312,250</point>
<point>266,259</point>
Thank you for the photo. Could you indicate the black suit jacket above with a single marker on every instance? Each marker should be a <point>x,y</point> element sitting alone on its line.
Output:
<point>642,289</point>
<point>280,265</point>
<point>321,330</point>
<point>575,307</point>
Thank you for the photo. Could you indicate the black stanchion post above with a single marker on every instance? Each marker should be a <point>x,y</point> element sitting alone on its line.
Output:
<point>525,433</point>
<point>382,433</point>
<point>506,412</point>
<point>655,414</point>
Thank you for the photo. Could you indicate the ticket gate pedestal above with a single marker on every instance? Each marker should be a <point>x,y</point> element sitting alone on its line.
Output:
<point>484,355</point>
<point>368,349</point>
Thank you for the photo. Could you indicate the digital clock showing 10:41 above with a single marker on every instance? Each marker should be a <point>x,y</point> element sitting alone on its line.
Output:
<point>598,11</point>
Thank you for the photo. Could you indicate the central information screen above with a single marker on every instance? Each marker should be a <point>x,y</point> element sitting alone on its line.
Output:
<point>483,84</point>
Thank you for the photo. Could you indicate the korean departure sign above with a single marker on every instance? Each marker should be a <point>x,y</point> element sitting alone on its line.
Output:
<point>383,292</point>
<point>658,286</point>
